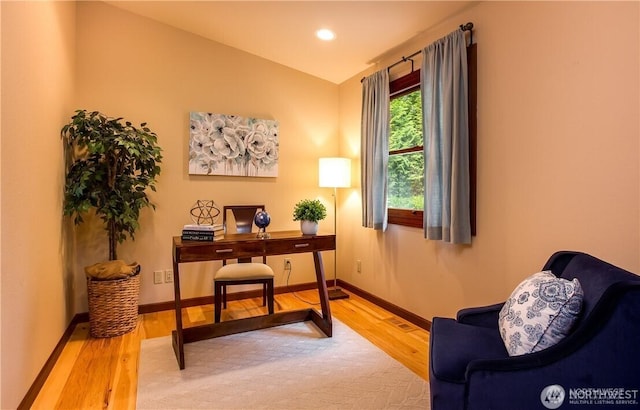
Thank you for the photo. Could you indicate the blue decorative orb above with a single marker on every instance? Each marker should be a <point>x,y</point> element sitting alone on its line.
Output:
<point>262,219</point>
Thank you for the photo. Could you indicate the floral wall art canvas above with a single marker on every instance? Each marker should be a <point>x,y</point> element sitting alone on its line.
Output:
<point>222,144</point>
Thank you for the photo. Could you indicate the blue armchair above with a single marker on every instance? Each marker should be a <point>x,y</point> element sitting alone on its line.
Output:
<point>596,364</point>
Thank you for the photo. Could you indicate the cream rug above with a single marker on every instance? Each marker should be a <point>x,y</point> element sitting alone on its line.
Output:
<point>287,367</point>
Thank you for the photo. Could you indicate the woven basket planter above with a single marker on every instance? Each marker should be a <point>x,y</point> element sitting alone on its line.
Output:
<point>113,305</point>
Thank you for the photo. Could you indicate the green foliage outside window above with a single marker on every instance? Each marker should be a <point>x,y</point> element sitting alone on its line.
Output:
<point>406,169</point>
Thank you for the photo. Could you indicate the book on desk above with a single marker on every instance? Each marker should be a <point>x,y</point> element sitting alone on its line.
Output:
<point>205,233</point>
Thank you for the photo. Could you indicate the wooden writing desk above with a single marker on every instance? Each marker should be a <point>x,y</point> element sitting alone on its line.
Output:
<point>247,245</point>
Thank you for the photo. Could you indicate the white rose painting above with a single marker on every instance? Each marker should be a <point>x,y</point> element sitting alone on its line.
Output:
<point>222,144</point>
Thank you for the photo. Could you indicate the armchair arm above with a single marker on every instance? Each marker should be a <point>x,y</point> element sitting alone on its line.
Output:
<point>485,316</point>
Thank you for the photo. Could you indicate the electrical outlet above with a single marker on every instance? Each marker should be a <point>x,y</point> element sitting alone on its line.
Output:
<point>359,266</point>
<point>168,276</point>
<point>287,264</point>
<point>157,277</point>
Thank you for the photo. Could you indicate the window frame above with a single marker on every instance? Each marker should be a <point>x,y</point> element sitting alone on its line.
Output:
<point>411,82</point>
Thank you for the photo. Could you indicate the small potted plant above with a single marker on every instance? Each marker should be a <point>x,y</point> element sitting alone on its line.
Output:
<point>110,164</point>
<point>309,212</point>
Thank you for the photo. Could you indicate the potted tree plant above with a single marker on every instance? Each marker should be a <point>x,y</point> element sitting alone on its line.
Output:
<point>309,212</point>
<point>110,164</point>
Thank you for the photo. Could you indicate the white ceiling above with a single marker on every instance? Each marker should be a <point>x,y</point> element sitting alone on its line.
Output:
<point>284,31</point>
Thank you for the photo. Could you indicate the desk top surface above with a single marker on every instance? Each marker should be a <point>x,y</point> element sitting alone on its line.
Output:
<point>233,246</point>
<point>251,237</point>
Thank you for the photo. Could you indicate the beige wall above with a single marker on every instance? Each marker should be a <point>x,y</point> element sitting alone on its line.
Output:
<point>558,150</point>
<point>37,77</point>
<point>558,156</point>
<point>61,56</point>
<point>144,71</point>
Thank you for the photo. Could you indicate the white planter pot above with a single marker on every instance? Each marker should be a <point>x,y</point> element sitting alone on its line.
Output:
<point>309,227</point>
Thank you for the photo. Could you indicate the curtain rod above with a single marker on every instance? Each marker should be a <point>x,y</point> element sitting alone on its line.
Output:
<point>464,27</point>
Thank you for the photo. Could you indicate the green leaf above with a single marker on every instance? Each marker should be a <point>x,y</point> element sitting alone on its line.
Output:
<point>309,210</point>
<point>90,183</point>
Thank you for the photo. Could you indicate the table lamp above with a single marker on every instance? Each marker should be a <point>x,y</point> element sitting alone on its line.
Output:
<point>335,173</point>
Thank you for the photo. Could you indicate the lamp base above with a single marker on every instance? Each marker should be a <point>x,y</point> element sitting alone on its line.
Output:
<point>337,293</point>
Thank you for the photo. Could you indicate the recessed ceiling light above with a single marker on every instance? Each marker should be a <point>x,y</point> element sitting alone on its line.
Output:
<point>325,34</point>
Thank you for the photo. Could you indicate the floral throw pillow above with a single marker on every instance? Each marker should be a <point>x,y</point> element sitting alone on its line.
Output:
<point>539,313</point>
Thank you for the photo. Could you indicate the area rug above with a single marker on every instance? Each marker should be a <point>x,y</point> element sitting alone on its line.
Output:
<point>287,367</point>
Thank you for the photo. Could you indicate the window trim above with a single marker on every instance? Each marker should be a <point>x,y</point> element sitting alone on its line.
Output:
<point>407,217</point>
<point>405,84</point>
<point>411,82</point>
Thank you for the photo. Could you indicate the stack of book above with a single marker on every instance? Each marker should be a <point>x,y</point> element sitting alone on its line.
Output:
<point>202,232</point>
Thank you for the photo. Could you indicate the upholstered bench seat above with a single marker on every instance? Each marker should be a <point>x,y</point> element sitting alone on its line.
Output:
<point>242,274</point>
<point>238,271</point>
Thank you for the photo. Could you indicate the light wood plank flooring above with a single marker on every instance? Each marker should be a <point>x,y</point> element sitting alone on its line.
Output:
<point>102,373</point>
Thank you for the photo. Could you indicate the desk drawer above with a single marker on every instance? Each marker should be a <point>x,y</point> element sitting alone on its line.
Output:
<point>238,250</point>
<point>299,245</point>
<point>220,250</point>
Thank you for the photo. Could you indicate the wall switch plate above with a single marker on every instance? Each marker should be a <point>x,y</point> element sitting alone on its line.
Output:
<point>168,276</point>
<point>359,266</point>
<point>157,277</point>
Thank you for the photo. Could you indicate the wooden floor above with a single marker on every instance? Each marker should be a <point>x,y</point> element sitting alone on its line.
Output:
<point>103,373</point>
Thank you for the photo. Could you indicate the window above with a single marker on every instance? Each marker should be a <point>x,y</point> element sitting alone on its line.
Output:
<point>405,196</point>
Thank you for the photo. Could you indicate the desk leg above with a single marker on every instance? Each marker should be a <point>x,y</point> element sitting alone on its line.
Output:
<point>177,335</point>
<point>324,323</point>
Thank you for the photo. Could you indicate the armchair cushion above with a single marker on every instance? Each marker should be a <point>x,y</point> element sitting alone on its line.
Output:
<point>540,312</point>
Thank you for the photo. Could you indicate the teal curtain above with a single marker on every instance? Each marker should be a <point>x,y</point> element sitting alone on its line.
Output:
<point>375,149</point>
<point>446,139</point>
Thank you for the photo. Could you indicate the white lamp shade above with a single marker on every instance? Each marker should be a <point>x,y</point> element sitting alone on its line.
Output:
<point>334,172</point>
